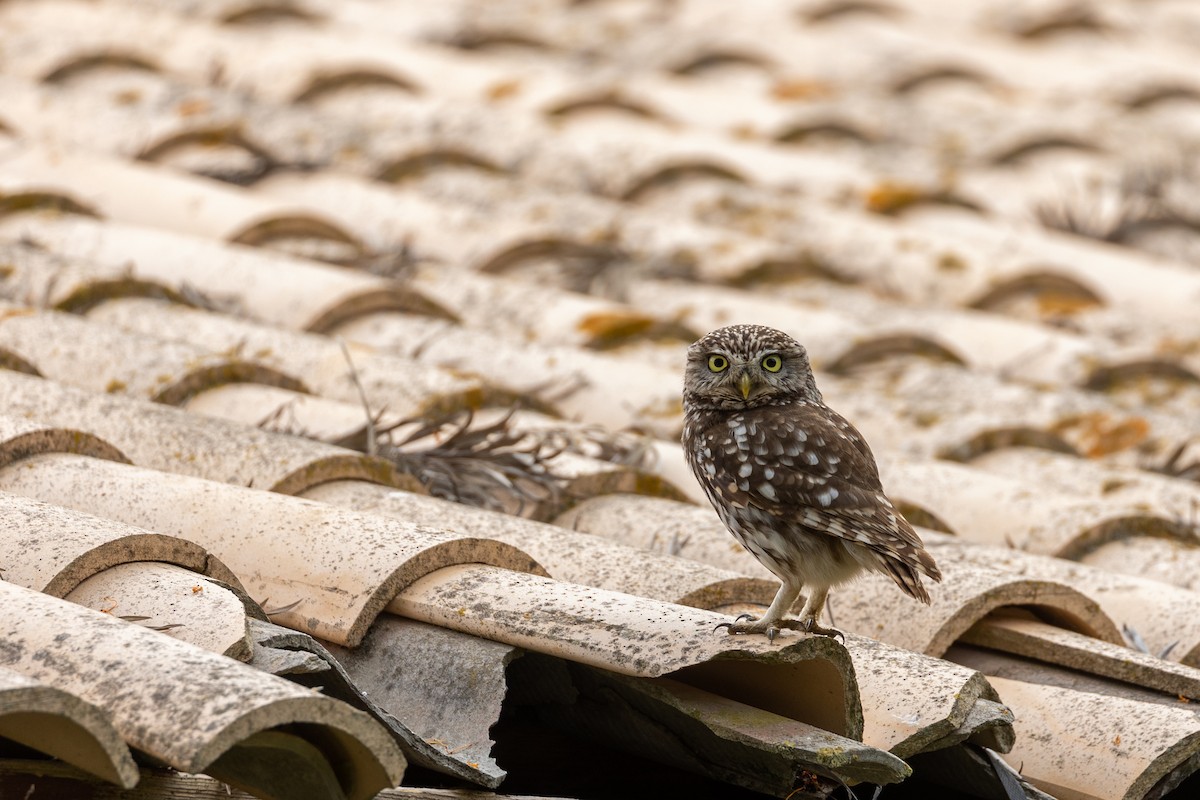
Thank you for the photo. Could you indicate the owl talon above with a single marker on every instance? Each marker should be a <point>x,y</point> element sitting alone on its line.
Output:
<point>811,626</point>
<point>730,625</point>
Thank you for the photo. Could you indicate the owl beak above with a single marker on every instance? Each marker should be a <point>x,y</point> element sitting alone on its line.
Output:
<point>745,385</point>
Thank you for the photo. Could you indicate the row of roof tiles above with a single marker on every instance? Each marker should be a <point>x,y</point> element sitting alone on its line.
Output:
<point>542,183</point>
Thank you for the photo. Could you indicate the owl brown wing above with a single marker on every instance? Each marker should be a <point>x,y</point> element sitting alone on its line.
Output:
<point>820,473</point>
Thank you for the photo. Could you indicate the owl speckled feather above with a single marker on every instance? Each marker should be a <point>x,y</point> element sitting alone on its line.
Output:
<point>792,480</point>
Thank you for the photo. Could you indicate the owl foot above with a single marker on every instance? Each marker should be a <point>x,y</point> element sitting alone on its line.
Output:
<point>745,623</point>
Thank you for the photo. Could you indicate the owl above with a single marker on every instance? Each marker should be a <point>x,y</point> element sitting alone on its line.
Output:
<point>792,480</point>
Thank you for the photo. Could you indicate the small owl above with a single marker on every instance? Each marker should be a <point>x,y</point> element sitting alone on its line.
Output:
<point>793,481</point>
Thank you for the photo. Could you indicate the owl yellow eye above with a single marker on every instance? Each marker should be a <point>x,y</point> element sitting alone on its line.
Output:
<point>718,363</point>
<point>772,363</point>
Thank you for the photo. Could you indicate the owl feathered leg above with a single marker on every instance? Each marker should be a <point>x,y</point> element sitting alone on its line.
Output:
<point>814,605</point>
<point>771,622</point>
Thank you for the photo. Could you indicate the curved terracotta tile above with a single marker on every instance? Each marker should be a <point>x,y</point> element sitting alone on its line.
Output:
<point>969,592</point>
<point>178,602</point>
<point>21,438</point>
<point>318,569</point>
<point>87,654</point>
<point>407,387</point>
<point>61,725</point>
<point>53,549</point>
<point>570,556</point>
<point>1131,741</point>
<point>108,360</point>
<point>637,636</point>
<point>990,509</point>
<point>575,382</point>
<point>100,259</point>
<point>166,438</point>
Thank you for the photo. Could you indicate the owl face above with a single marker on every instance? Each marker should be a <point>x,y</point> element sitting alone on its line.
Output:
<point>746,366</point>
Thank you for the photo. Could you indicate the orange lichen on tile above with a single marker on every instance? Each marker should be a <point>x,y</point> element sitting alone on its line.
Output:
<point>1100,434</point>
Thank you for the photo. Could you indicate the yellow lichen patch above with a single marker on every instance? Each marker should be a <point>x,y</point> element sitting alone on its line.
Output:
<point>502,90</point>
<point>193,106</point>
<point>792,89</point>
<point>609,327</point>
<point>115,386</point>
<point>951,262</point>
<point>16,312</point>
<point>1098,434</point>
<point>891,198</point>
<point>1062,305</point>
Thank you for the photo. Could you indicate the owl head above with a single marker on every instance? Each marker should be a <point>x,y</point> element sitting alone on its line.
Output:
<point>746,366</point>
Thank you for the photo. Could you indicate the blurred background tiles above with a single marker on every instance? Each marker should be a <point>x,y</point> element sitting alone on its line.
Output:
<point>342,348</point>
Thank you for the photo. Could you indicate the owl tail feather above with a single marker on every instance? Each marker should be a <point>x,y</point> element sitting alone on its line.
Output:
<point>907,575</point>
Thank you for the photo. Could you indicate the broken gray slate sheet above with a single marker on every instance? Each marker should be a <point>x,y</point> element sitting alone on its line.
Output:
<point>335,670</point>
<point>451,688</point>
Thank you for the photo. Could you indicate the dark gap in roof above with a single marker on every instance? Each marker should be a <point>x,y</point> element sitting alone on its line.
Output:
<point>887,347</point>
<point>679,173</point>
<point>14,362</point>
<point>608,101</point>
<point>494,40</point>
<point>1163,93</point>
<point>333,82</point>
<point>231,157</point>
<point>294,760</point>
<point>1036,146</point>
<point>841,9</point>
<point>178,392</point>
<point>893,199</point>
<point>1053,292</point>
<point>269,14</point>
<point>420,164</point>
<point>1000,438</point>
<point>802,267</point>
<point>717,60</point>
<point>32,201</point>
<point>938,75</point>
<point>1071,18</point>
<point>1181,783</point>
<point>304,236</point>
<point>575,731</point>
<point>947,772</point>
<point>832,130</point>
<point>97,61</point>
